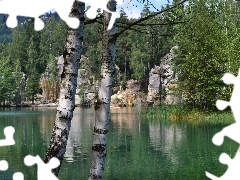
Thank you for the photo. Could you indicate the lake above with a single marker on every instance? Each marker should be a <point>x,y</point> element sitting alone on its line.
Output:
<point>137,148</point>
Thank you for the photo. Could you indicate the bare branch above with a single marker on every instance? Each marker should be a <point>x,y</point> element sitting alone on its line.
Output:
<point>155,24</point>
<point>91,21</point>
<point>133,29</point>
<point>144,32</point>
<point>146,18</point>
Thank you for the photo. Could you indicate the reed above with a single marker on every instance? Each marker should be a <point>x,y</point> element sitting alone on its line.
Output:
<point>182,113</point>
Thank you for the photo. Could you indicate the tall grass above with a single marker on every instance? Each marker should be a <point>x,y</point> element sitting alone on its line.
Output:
<point>182,113</point>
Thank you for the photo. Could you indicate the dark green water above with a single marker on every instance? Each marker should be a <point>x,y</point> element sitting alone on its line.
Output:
<point>138,148</point>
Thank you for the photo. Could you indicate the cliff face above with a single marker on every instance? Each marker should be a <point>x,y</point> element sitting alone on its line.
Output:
<point>130,96</point>
<point>168,79</point>
<point>154,86</point>
<point>86,84</point>
<point>162,81</point>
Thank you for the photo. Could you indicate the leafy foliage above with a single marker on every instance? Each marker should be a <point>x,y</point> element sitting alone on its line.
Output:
<point>29,50</point>
<point>206,32</point>
<point>208,48</point>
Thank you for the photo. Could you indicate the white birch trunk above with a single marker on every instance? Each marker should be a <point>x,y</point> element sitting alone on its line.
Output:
<point>71,55</point>
<point>102,107</point>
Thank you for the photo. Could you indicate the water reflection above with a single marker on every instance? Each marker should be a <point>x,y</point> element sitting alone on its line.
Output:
<point>137,148</point>
<point>73,143</point>
<point>166,138</point>
<point>127,117</point>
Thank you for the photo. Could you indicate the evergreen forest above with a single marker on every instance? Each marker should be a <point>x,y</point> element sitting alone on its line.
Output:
<point>207,33</point>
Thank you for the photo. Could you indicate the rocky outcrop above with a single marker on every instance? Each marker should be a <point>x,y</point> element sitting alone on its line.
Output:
<point>162,81</point>
<point>130,96</point>
<point>154,86</point>
<point>86,84</point>
<point>49,81</point>
<point>169,78</point>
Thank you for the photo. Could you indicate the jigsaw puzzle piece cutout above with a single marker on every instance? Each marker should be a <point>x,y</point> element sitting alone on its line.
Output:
<point>8,132</point>
<point>235,98</point>
<point>28,8</point>
<point>95,5</point>
<point>18,176</point>
<point>38,24</point>
<point>231,131</point>
<point>232,172</point>
<point>12,21</point>
<point>44,170</point>
<point>229,78</point>
<point>3,165</point>
<point>63,8</point>
<point>221,105</point>
<point>35,8</point>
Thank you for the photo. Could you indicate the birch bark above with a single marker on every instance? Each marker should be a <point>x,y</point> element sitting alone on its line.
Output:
<point>71,55</point>
<point>102,106</point>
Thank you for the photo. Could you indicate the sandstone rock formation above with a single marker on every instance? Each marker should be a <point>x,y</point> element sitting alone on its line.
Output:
<point>130,96</point>
<point>162,81</point>
<point>86,84</point>
<point>154,86</point>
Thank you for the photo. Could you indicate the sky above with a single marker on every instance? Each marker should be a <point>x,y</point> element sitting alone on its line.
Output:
<point>133,8</point>
<point>132,11</point>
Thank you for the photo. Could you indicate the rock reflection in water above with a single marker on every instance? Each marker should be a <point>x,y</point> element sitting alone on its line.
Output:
<point>166,138</point>
<point>126,117</point>
<point>138,148</point>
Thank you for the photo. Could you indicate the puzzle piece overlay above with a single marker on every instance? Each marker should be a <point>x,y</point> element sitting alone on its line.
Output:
<point>231,131</point>
<point>8,132</point>
<point>100,4</point>
<point>44,170</point>
<point>8,141</point>
<point>35,8</point>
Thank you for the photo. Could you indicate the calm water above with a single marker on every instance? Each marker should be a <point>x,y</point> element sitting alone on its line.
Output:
<point>137,148</point>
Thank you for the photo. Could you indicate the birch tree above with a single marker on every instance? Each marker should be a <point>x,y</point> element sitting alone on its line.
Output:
<point>102,106</point>
<point>71,54</point>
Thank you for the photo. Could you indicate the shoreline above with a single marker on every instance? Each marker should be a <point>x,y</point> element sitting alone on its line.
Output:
<point>35,105</point>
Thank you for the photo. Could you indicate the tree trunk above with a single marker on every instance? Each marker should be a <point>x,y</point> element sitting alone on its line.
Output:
<point>72,54</point>
<point>102,106</point>
<point>32,99</point>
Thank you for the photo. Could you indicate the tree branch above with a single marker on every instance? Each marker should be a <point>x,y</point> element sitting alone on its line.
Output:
<point>90,21</point>
<point>146,18</point>
<point>149,3</point>
<point>143,32</point>
<point>133,29</point>
<point>156,24</point>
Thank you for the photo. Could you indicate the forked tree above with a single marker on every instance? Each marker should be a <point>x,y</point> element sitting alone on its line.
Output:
<point>102,106</point>
<point>71,55</point>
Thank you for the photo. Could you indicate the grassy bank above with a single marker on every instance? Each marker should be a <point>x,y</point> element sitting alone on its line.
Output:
<point>180,113</point>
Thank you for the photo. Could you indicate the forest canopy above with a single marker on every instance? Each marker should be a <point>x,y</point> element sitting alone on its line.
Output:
<point>206,32</point>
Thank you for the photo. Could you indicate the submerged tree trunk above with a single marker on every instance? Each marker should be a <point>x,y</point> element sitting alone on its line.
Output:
<point>72,54</point>
<point>102,106</point>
